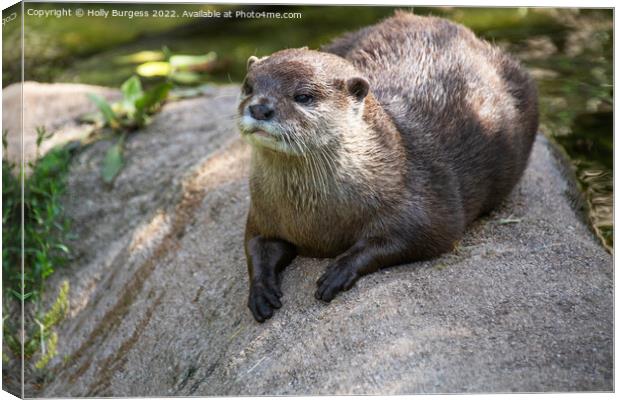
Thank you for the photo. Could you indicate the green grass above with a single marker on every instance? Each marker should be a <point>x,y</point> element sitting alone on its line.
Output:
<point>46,232</point>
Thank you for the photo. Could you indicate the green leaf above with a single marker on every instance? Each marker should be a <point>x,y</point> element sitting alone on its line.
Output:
<point>13,342</point>
<point>31,347</point>
<point>113,161</point>
<point>42,135</point>
<point>181,61</point>
<point>167,52</point>
<point>47,270</point>
<point>186,78</point>
<point>153,97</point>
<point>154,68</point>
<point>132,91</point>
<point>140,57</point>
<point>62,248</point>
<point>131,88</point>
<point>19,295</point>
<point>105,109</point>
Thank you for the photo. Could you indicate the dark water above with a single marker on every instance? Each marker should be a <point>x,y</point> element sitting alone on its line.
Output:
<point>568,51</point>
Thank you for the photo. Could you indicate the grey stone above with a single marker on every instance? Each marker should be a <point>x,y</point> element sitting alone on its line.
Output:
<point>159,288</point>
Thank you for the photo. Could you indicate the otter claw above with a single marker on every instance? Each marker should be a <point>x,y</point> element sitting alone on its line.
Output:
<point>333,281</point>
<point>263,301</point>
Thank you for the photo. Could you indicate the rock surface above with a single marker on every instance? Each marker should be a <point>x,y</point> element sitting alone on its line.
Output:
<point>159,286</point>
<point>53,106</point>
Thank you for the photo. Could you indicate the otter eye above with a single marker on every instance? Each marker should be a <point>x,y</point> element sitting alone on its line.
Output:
<point>303,98</point>
<point>247,88</point>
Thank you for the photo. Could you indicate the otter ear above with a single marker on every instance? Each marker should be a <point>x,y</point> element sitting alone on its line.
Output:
<point>358,87</point>
<point>251,61</point>
<point>254,59</point>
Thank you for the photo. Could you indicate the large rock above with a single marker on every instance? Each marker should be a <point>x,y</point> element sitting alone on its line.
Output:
<point>159,287</point>
<point>56,107</point>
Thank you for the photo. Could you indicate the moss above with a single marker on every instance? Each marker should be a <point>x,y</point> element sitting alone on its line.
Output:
<point>51,351</point>
<point>60,307</point>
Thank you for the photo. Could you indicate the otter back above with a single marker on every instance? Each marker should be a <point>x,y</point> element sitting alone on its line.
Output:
<point>453,96</point>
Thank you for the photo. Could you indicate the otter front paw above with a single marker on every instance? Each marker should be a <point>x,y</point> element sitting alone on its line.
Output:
<point>264,298</point>
<point>335,279</point>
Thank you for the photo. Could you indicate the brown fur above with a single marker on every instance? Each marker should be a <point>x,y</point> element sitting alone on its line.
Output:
<point>387,175</point>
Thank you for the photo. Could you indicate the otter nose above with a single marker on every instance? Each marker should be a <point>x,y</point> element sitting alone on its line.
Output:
<point>261,112</point>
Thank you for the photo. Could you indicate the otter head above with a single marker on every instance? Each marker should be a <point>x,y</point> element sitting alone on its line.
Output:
<point>298,100</point>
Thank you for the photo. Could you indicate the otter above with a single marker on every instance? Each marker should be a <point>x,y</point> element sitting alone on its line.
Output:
<point>377,150</point>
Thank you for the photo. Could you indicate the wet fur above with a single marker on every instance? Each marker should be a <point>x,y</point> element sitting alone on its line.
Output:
<point>442,137</point>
